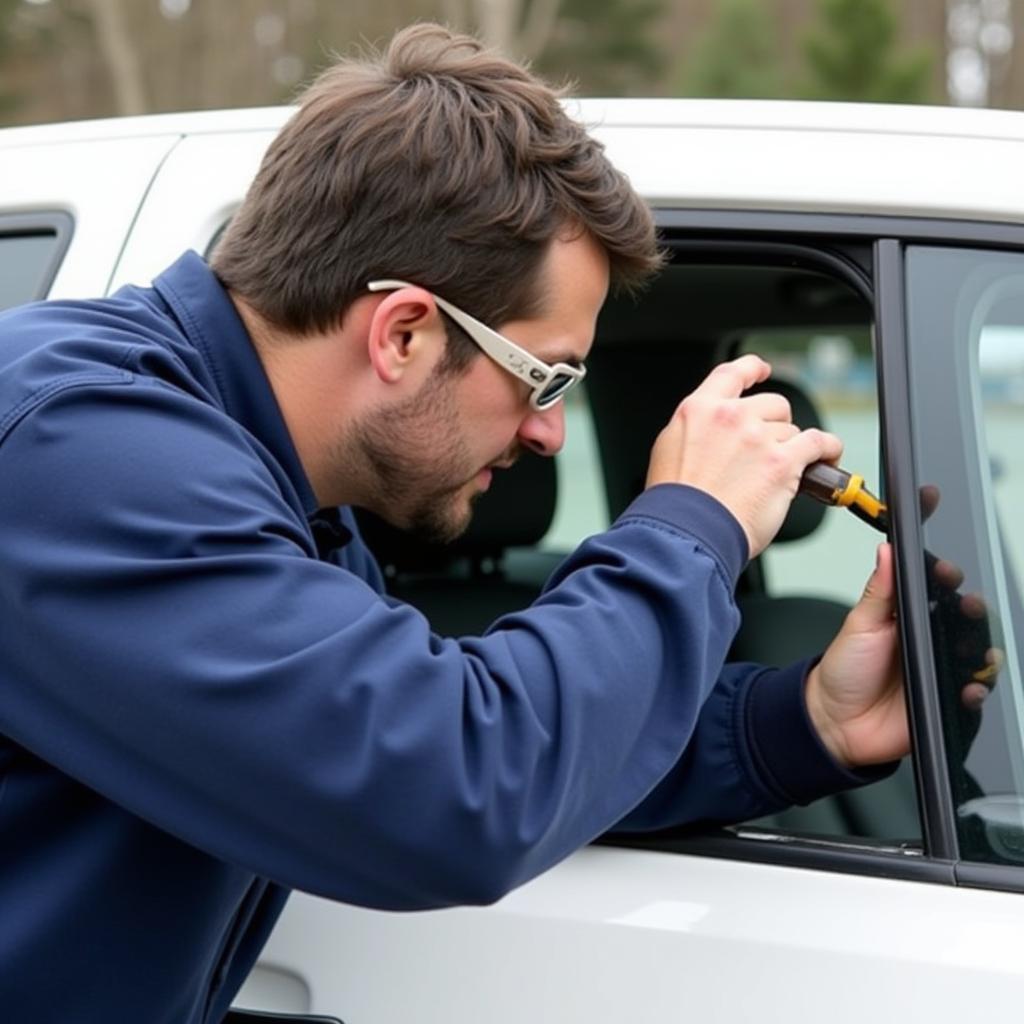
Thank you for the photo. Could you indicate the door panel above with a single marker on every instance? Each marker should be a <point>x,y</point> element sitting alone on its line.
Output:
<point>626,935</point>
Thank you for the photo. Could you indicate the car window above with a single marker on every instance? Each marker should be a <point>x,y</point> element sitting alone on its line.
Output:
<point>581,509</point>
<point>966,337</point>
<point>835,368</point>
<point>815,327</point>
<point>27,262</point>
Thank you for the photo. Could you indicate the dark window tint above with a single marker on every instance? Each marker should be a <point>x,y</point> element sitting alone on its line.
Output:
<point>26,265</point>
<point>966,336</point>
<point>815,327</point>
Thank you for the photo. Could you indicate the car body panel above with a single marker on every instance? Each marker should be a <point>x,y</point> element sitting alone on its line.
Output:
<point>622,935</point>
<point>209,172</point>
<point>100,186</point>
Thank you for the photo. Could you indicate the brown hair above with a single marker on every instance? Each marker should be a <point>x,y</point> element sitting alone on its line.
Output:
<point>439,163</point>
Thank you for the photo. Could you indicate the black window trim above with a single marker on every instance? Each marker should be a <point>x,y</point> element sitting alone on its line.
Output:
<point>783,849</point>
<point>931,774</point>
<point>888,236</point>
<point>58,223</point>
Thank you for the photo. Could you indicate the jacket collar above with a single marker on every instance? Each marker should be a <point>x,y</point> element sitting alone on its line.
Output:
<point>212,324</point>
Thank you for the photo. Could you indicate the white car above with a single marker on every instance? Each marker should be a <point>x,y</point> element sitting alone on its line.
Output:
<point>876,256</point>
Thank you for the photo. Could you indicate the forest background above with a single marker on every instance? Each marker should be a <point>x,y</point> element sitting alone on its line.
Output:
<point>70,59</point>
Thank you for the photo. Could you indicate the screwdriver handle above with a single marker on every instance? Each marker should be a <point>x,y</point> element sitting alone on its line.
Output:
<point>834,486</point>
<point>830,484</point>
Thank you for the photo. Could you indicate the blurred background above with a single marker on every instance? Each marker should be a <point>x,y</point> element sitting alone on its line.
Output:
<point>69,59</point>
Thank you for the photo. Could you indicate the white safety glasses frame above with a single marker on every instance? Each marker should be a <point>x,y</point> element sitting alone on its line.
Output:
<point>548,382</point>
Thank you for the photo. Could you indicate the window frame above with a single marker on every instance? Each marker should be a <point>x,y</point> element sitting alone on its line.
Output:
<point>878,243</point>
<point>58,223</point>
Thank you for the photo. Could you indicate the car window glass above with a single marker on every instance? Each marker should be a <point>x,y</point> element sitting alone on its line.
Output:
<point>815,328</point>
<point>25,264</point>
<point>966,336</point>
<point>835,368</point>
<point>581,509</point>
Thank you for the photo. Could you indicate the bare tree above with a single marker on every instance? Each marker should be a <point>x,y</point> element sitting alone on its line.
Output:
<point>120,55</point>
<point>454,13</point>
<point>980,49</point>
<point>519,28</point>
<point>540,22</point>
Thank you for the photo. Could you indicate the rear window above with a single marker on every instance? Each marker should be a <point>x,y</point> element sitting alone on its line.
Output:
<point>30,253</point>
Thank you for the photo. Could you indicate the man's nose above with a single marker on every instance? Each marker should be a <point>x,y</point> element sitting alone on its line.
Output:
<point>543,430</point>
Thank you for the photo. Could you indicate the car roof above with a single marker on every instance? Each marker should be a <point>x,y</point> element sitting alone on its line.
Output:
<point>760,115</point>
<point>736,154</point>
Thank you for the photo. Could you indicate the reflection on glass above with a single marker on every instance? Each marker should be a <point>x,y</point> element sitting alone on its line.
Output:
<point>836,370</point>
<point>966,332</point>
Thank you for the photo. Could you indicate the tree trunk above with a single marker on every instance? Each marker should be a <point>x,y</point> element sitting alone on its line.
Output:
<point>454,13</point>
<point>540,23</point>
<point>498,21</point>
<point>119,55</point>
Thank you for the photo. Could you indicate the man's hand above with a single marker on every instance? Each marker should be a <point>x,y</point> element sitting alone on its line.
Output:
<point>855,693</point>
<point>744,451</point>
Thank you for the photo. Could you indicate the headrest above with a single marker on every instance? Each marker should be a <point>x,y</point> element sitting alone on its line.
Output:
<point>516,511</point>
<point>805,514</point>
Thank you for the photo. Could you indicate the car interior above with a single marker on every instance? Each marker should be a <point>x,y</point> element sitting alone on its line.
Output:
<point>649,351</point>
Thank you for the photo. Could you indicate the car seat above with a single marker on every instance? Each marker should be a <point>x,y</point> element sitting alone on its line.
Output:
<point>491,569</point>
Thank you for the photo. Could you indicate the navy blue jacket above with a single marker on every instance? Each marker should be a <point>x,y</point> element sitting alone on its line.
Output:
<point>200,711</point>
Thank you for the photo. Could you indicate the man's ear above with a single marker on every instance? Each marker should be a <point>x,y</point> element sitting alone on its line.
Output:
<point>402,331</point>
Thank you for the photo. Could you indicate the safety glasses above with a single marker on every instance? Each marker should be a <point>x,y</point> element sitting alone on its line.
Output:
<point>548,383</point>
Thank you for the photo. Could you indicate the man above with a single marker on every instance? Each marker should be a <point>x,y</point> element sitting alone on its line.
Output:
<point>207,699</point>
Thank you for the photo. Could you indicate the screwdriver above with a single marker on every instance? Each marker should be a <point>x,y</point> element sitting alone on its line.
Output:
<point>834,486</point>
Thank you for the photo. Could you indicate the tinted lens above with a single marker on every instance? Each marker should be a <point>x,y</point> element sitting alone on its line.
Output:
<point>556,387</point>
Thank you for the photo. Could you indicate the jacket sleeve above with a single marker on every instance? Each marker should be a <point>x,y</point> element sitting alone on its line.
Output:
<point>171,641</point>
<point>755,740</point>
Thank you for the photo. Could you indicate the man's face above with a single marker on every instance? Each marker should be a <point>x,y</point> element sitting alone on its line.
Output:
<point>433,454</point>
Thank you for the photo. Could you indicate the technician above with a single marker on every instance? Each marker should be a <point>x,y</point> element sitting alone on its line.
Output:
<point>207,699</point>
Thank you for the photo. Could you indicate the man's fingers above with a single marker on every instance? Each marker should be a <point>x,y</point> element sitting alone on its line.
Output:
<point>816,446</point>
<point>875,608</point>
<point>731,379</point>
<point>782,431</point>
<point>948,574</point>
<point>769,406</point>
<point>929,497</point>
<point>973,696</point>
<point>973,606</point>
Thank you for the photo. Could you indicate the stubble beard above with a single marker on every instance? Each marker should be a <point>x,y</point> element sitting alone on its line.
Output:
<point>417,463</point>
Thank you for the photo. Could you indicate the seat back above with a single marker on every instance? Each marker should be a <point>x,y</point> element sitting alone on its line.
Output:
<point>462,587</point>
<point>777,630</point>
